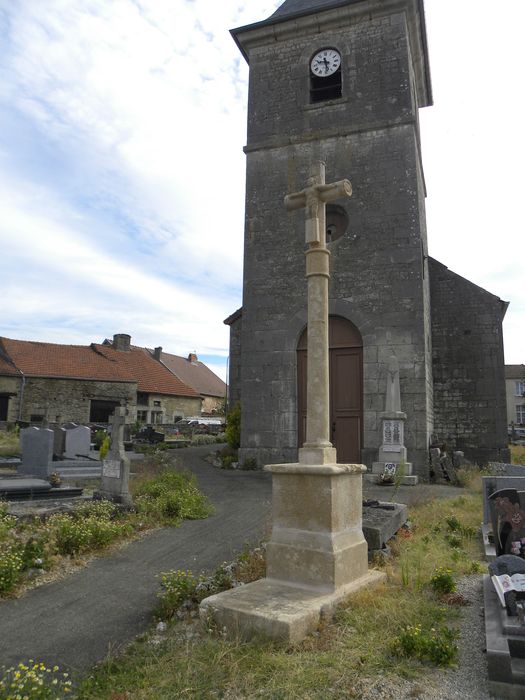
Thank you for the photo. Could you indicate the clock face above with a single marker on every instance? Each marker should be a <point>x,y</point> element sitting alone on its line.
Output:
<point>325,62</point>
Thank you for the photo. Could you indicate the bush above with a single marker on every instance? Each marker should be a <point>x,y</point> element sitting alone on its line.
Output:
<point>11,564</point>
<point>99,438</point>
<point>233,427</point>
<point>104,448</point>
<point>34,681</point>
<point>436,645</point>
<point>77,535</point>
<point>177,586</point>
<point>203,439</point>
<point>172,496</point>
<point>442,581</point>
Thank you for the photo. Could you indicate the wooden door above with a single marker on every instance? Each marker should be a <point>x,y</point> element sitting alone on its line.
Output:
<point>346,389</point>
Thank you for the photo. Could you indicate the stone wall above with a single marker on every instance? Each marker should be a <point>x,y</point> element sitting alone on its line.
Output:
<point>62,400</point>
<point>379,281</point>
<point>234,379</point>
<point>174,406</point>
<point>468,366</point>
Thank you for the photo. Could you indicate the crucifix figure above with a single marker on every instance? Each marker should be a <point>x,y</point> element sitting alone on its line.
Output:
<point>314,199</point>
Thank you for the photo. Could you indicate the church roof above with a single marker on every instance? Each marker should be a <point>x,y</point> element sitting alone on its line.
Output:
<point>295,7</point>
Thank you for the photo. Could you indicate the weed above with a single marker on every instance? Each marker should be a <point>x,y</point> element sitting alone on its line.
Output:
<point>171,497</point>
<point>436,645</point>
<point>442,581</point>
<point>34,681</point>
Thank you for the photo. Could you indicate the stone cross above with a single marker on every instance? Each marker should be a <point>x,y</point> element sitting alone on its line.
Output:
<point>393,393</point>
<point>115,467</point>
<point>317,449</point>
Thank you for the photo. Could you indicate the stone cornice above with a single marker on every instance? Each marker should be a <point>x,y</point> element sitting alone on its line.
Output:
<point>276,29</point>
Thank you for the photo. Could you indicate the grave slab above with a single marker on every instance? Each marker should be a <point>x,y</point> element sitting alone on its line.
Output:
<point>380,525</point>
<point>505,648</point>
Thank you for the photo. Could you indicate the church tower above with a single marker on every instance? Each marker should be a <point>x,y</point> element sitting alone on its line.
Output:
<point>340,81</point>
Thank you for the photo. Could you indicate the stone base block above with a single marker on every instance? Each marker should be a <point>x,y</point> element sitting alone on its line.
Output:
<point>379,524</point>
<point>379,467</point>
<point>276,610</point>
<point>373,477</point>
<point>505,643</point>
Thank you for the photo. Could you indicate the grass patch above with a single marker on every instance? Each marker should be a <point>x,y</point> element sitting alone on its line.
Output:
<point>28,548</point>
<point>403,629</point>
<point>517,454</point>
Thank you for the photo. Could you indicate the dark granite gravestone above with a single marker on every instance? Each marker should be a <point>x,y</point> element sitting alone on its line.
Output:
<point>507,510</point>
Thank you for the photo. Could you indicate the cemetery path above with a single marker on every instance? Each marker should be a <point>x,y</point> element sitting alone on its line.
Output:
<point>75,622</point>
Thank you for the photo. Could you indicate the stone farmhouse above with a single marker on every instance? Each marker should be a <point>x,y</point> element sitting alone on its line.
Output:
<point>59,383</point>
<point>194,373</point>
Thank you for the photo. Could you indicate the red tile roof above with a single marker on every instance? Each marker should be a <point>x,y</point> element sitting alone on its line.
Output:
<point>196,374</point>
<point>6,366</point>
<point>93,362</point>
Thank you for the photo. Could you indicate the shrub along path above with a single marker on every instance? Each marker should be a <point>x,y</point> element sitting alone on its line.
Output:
<point>75,622</point>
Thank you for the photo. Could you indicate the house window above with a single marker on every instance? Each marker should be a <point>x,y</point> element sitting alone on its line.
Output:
<point>142,416</point>
<point>142,399</point>
<point>156,403</point>
<point>156,417</point>
<point>101,411</point>
<point>520,414</point>
<point>520,388</point>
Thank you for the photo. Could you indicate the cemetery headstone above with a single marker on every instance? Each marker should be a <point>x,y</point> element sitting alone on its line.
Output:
<point>37,451</point>
<point>78,441</point>
<point>392,458</point>
<point>115,466</point>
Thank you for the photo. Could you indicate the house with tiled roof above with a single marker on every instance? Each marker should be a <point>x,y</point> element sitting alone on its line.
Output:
<point>196,374</point>
<point>515,390</point>
<point>60,383</point>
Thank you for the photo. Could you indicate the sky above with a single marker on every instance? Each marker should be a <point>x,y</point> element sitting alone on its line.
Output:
<point>122,173</point>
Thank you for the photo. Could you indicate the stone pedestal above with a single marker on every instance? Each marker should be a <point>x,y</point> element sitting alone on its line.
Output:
<point>316,557</point>
<point>393,453</point>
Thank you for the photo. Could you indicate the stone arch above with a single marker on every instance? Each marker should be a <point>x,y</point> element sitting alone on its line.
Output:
<point>346,388</point>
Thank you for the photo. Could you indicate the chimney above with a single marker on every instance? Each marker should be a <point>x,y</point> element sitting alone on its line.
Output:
<point>192,357</point>
<point>122,341</point>
<point>157,353</point>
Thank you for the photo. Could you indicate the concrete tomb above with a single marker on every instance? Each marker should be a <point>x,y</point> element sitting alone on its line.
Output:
<point>115,466</point>
<point>317,554</point>
<point>505,628</point>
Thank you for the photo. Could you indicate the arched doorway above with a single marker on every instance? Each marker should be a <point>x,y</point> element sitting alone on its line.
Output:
<point>346,389</point>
